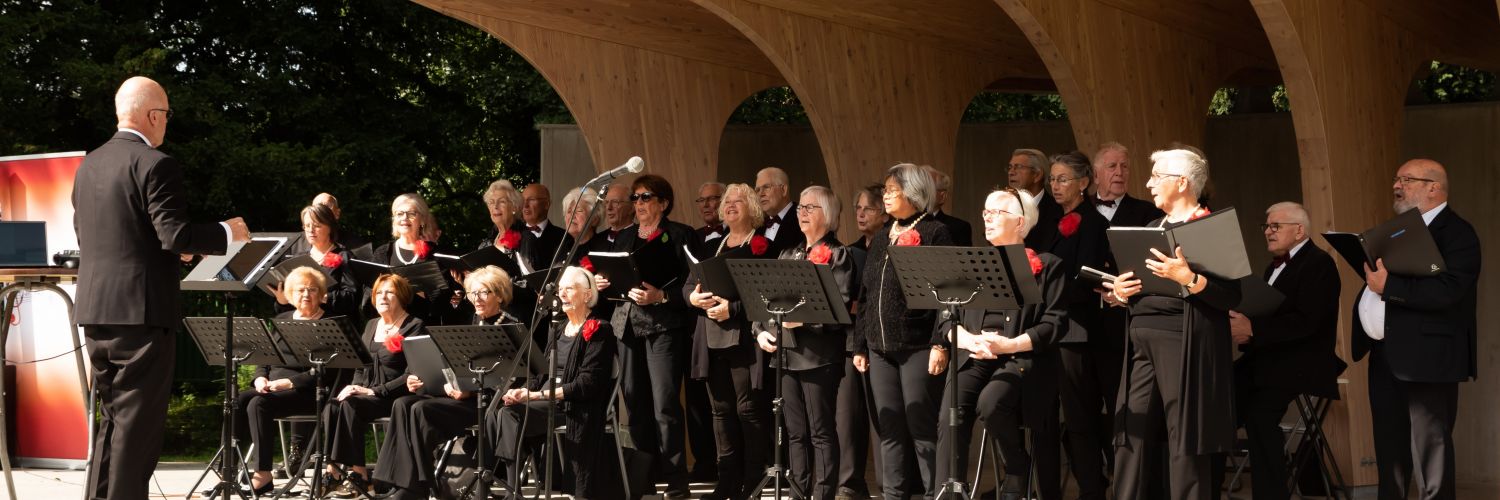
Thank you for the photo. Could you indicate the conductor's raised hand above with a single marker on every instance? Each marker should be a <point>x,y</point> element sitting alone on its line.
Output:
<point>238,231</point>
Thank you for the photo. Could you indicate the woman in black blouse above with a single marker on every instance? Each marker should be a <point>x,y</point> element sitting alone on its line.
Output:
<point>724,353</point>
<point>370,394</point>
<point>320,233</point>
<point>1180,369</point>
<point>415,234</point>
<point>1008,359</point>
<point>869,215</point>
<point>899,348</point>
<point>814,353</point>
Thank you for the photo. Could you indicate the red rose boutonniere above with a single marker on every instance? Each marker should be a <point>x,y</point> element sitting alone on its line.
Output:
<point>1068,226</point>
<point>589,327</point>
<point>1036,262</point>
<point>332,260</point>
<point>393,343</point>
<point>759,244</point>
<point>511,240</point>
<point>820,254</point>
<point>654,234</point>
<point>423,249</point>
<point>910,238</point>
<point>586,264</point>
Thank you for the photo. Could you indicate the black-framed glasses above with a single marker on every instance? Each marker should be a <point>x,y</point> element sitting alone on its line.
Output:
<point>646,196</point>
<point>405,214</point>
<point>478,295</point>
<point>164,110</point>
<point>807,209</point>
<point>1407,179</point>
<point>1273,227</point>
<point>701,199</point>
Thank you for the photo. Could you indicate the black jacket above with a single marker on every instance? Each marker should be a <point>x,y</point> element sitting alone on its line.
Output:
<point>884,323</point>
<point>1293,348</point>
<point>959,229</point>
<point>543,250</point>
<point>130,213</point>
<point>433,310</point>
<point>1045,322</point>
<point>816,345</point>
<point>1135,212</point>
<point>343,292</point>
<point>1087,245</point>
<point>663,261</point>
<point>789,235</point>
<point>387,377</point>
<point>1430,321</point>
<point>588,381</point>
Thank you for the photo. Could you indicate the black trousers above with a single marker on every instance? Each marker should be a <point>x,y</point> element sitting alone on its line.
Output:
<point>1151,397</point>
<point>1413,424</point>
<point>1260,410</point>
<point>809,406</point>
<point>1090,382</point>
<point>1007,394</point>
<point>256,419</point>
<point>741,420</point>
<point>906,406</point>
<point>419,427</point>
<point>347,421</point>
<point>853,420</point>
<point>653,369</point>
<point>700,429</point>
<point>132,372</point>
<point>516,423</point>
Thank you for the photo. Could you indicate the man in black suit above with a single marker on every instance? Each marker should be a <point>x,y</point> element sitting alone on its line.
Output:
<point>1027,170</point>
<point>130,213</point>
<point>700,424</point>
<point>1290,351</point>
<point>1419,333</point>
<point>960,229</point>
<point>710,195</point>
<point>780,209</point>
<point>541,238</point>
<point>1113,200</point>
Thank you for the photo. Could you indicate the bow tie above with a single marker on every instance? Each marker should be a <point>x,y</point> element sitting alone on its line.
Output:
<point>716,229</point>
<point>1105,203</point>
<point>534,229</point>
<point>1278,260</point>
<point>773,219</point>
<point>613,233</point>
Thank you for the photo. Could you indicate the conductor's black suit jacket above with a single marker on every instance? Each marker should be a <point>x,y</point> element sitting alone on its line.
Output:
<point>131,216</point>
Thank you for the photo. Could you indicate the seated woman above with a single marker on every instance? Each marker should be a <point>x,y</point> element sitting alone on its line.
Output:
<point>279,391</point>
<point>585,364</point>
<point>1011,374</point>
<point>420,423</point>
<point>375,387</point>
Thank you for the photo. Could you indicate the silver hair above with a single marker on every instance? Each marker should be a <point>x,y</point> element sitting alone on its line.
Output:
<point>830,203</point>
<point>577,274</point>
<point>586,195</point>
<point>1296,210</point>
<point>916,185</point>
<point>1027,201</point>
<point>1036,158</point>
<point>711,183</point>
<point>504,188</point>
<point>777,175</point>
<point>1196,165</point>
<point>429,230</point>
<point>939,179</point>
<point>1107,147</point>
<point>757,216</point>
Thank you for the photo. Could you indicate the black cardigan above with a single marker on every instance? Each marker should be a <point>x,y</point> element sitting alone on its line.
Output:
<point>1087,246</point>
<point>387,376</point>
<point>884,323</point>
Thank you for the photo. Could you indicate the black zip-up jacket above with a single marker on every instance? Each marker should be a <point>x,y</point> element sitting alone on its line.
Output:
<point>884,323</point>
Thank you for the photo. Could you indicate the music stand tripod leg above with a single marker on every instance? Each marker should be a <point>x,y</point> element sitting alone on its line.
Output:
<point>777,471</point>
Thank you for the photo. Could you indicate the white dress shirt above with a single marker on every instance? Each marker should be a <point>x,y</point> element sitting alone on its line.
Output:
<point>776,228</point>
<point>1372,305</point>
<point>1289,255</point>
<point>1107,211</point>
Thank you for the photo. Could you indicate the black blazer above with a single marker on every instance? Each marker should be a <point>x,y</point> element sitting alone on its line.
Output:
<point>1086,246</point>
<point>1135,212</point>
<point>817,345</point>
<point>789,235</point>
<point>959,229</point>
<point>387,377</point>
<point>131,218</point>
<point>1430,321</point>
<point>663,258</point>
<point>540,250</point>
<point>1045,322</point>
<point>1293,348</point>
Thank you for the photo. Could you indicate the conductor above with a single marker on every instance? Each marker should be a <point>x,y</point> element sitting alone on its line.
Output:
<point>130,213</point>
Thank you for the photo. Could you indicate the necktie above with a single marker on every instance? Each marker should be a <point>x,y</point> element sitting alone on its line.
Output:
<point>1104,203</point>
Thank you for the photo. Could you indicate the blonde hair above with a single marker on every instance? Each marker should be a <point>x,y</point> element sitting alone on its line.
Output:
<point>308,275</point>
<point>493,279</point>
<point>757,215</point>
<point>427,224</point>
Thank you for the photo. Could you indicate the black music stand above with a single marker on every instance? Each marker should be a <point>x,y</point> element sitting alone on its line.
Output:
<point>235,272</point>
<point>777,291</point>
<point>212,337</point>
<point>322,344</point>
<point>953,278</point>
<point>482,350</point>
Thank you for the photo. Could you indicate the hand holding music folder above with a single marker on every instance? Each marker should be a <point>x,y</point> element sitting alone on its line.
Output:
<point>425,277</point>
<point>1403,244</point>
<point>713,274</point>
<point>490,255</point>
<point>1213,245</point>
<point>619,268</point>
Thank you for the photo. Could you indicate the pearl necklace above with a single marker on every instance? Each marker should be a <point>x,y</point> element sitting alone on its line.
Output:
<point>897,230</point>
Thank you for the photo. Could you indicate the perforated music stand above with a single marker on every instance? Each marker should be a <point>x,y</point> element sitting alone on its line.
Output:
<point>777,291</point>
<point>321,344</point>
<point>479,351</point>
<point>953,278</point>
<point>252,345</point>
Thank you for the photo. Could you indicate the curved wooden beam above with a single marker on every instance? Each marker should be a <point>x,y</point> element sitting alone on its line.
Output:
<point>1347,96</point>
<point>874,99</point>
<point>670,109</point>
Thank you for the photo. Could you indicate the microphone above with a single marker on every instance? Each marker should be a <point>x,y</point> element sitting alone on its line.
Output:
<point>632,166</point>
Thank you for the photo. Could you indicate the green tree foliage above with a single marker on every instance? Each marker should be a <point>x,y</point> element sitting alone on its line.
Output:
<point>1452,83</point>
<point>1006,107</point>
<point>277,100</point>
<point>772,105</point>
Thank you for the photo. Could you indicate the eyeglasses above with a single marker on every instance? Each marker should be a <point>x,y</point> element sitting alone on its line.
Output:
<point>994,213</point>
<point>167,111</point>
<point>807,209</point>
<point>497,203</point>
<point>1273,227</point>
<point>645,196</point>
<point>891,191</point>
<point>1406,179</point>
<point>1158,176</point>
<point>715,198</point>
<point>405,214</point>
<point>870,210</point>
<point>763,188</point>
<point>478,295</point>
<point>306,290</point>
<point>1061,179</point>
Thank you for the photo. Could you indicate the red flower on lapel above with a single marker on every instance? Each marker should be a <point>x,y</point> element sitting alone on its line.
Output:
<point>510,240</point>
<point>654,234</point>
<point>586,264</point>
<point>393,343</point>
<point>910,238</point>
<point>332,260</point>
<point>423,249</point>
<point>1068,226</point>
<point>759,244</point>
<point>589,327</point>
<point>820,254</point>
<point>1036,262</point>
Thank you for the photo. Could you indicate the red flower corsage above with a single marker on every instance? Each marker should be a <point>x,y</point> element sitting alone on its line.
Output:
<point>1036,262</point>
<point>589,327</point>
<point>820,254</point>
<point>654,234</point>
<point>1069,224</point>
<point>1199,213</point>
<point>510,240</point>
<point>423,249</point>
<point>393,343</point>
<point>910,238</point>
<point>586,264</point>
<point>332,260</point>
<point>759,244</point>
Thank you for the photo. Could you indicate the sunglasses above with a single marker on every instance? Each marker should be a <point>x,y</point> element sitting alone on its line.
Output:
<point>643,196</point>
